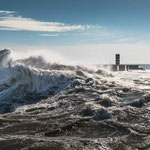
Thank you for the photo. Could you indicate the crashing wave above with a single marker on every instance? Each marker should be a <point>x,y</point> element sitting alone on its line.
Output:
<point>31,79</point>
<point>4,61</point>
<point>18,82</point>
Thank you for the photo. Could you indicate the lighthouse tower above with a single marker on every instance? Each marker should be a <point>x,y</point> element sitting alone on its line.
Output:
<point>117,59</point>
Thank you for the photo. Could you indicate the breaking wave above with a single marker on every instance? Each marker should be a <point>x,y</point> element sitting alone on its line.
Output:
<point>23,81</point>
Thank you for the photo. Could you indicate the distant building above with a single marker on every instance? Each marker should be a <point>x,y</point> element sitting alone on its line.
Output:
<point>122,67</point>
<point>117,59</point>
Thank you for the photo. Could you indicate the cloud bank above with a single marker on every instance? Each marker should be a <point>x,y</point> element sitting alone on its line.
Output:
<point>10,21</point>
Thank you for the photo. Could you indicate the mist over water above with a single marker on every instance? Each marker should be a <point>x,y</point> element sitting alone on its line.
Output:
<point>45,105</point>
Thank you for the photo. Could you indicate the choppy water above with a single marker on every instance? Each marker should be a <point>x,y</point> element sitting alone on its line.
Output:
<point>59,107</point>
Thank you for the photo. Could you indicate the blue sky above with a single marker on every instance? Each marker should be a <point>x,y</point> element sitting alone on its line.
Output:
<point>78,31</point>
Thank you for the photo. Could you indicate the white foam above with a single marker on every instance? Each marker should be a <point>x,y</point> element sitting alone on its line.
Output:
<point>17,80</point>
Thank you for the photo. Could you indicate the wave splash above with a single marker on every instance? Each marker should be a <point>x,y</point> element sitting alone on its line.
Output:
<point>4,61</point>
<point>19,81</point>
<point>24,81</point>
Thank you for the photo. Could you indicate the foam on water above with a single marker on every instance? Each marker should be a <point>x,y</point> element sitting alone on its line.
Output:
<point>33,78</point>
<point>72,107</point>
<point>134,79</point>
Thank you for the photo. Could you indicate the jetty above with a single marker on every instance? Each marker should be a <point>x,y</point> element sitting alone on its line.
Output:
<point>122,67</point>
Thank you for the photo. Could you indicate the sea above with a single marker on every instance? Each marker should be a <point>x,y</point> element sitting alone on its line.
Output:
<point>145,66</point>
<point>50,106</point>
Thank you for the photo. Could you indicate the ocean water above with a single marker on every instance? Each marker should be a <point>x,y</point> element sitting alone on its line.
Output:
<point>146,66</point>
<point>63,107</point>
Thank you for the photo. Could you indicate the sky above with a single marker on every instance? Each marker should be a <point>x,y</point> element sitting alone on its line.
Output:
<point>77,31</point>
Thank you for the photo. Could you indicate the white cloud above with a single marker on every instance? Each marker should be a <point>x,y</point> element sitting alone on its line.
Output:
<point>49,34</point>
<point>8,21</point>
<point>6,12</point>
